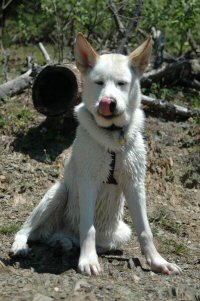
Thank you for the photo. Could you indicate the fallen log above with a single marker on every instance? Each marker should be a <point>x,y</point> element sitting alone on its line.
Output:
<point>16,85</point>
<point>174,74</point>
<point>169,108</point>
<point>56,89</point>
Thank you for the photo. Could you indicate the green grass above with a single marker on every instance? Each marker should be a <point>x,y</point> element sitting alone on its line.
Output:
<point>170,176</point>
<point>17,62</point>
<point>171,246</point>
<point>196,103</point>
<point>15,118</point>
<point>197,120</point>
<point>165,221</point>
<point>191,177</point>
<point>8,229</point>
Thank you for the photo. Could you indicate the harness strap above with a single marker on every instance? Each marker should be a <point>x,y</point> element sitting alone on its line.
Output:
<point>111,179</point>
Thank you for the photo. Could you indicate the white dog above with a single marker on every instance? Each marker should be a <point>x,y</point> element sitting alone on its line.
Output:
<point>107,166</point>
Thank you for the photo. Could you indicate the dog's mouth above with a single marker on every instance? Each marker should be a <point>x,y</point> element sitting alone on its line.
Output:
<point>110,117</point>
<point>113,128</point>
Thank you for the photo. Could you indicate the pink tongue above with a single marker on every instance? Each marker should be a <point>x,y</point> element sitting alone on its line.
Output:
<point>104,106</point>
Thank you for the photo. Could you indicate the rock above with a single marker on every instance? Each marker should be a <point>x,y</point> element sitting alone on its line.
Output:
<point>136,279</point>
<point>40,297</point>
<point>131,264</point>
<point>82,285</point>
<point>2,179</point>
<point>90,297</point>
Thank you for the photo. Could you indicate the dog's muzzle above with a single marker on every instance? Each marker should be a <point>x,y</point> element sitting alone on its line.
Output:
<point>107,106</point>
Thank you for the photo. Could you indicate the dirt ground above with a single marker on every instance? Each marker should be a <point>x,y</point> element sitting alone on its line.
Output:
<point>31,159</point>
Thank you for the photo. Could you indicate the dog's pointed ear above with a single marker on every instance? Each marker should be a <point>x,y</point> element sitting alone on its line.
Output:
<point>85,55</point>
<point>140,57</point>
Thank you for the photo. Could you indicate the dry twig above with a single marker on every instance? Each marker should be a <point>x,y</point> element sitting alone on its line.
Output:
<point>45,53</point>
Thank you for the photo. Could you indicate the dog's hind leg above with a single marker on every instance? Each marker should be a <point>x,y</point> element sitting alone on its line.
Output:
<point>54,197</point>
<point>114,240</point>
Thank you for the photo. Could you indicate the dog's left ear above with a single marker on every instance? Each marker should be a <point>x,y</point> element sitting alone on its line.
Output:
<point>140,57</point>
<point>85,55</point>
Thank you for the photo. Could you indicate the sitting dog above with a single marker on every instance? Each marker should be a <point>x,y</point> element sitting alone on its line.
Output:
<point>107,166</point>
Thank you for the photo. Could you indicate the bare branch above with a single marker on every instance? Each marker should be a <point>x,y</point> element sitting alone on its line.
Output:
<point>45,53</point>
<point>6,4</point>
<point>195,47</point>
<point>159,45</point>
<point>117,19</point>
<point>131,26</point>
<point>5,64</point>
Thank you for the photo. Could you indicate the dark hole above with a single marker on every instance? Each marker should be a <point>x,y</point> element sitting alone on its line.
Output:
<point>54,90</point>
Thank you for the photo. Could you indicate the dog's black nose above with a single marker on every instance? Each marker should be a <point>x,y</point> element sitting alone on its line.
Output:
<point>113,104</point>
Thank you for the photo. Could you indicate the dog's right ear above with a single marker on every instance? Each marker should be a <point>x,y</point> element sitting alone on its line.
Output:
<point>85,55</point>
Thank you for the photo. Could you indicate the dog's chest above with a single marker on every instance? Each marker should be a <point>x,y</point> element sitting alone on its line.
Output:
<point>124,167</point>
<point>100,164</point>
<point>116,168</point>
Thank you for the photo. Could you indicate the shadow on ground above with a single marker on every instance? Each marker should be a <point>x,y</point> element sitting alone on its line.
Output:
<point>44,259</point>
<point>47,141</point>
<point>54,260</point>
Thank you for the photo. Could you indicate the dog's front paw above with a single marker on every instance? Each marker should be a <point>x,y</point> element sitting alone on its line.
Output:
<point>160,265</point>
<point>89,265</point>
<point>19,248</point>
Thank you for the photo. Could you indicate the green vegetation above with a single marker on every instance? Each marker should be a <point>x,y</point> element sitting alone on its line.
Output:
<point>191,177</point>
<point>171,246</point>
<point>170,176</point>
<point>59,21</point>
<point>15,119</point>
<point>9,229</point>
<point>164,220</point>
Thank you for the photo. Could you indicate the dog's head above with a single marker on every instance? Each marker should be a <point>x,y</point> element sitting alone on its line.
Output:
<point>111,81</point>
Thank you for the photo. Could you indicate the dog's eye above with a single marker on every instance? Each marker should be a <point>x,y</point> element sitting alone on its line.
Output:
<point>121,83</point>
<point>99,82</point>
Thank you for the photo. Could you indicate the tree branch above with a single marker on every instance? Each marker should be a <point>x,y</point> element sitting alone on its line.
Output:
<point>169,108</point>
<point>5,5</point>
<point>45,53</point>
<point>117,19</point>
<point>195,47</point>
<point>131,26</point>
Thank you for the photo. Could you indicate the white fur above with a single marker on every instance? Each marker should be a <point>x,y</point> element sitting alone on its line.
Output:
<point>83,209</point>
